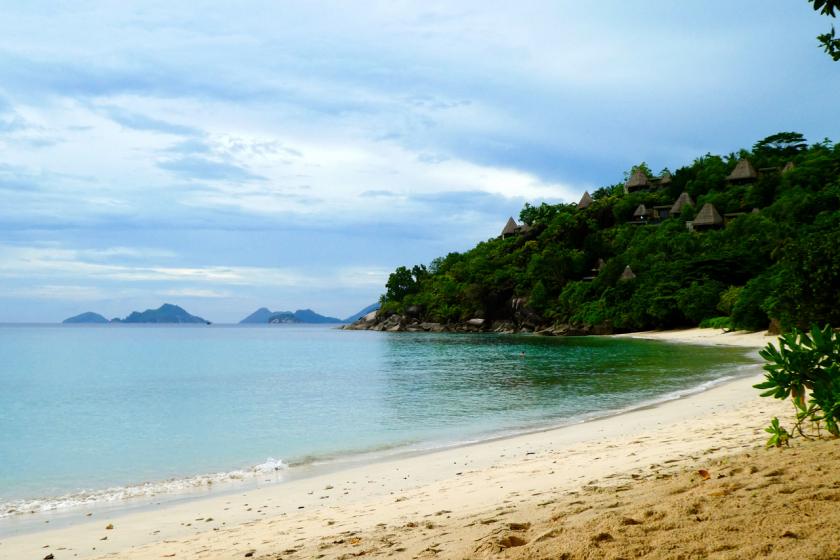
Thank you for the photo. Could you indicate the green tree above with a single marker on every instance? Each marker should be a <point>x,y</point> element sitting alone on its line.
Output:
<point>539,298</point>
<point>830,43</point>
<point>786,144</point>
<point>699,300</point>
<point>728,299</point>
<point>807,280</point>
<point>749,313</point>
<point>403,282</point>
<point>541,214</point>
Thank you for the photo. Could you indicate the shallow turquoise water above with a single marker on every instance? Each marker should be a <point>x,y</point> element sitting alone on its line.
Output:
<point>93,407</point>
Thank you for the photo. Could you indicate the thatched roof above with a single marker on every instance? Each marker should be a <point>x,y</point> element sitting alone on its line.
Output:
<point>638,180</point>
<point>665,179</point>
<point>682,200</point>
<point>585,200</point>
<point>743,171</point>
<point>788,167</point>
<point>601,264</point>
<point>641,211</point>
<point>707,216</point>
<point>510,227</point>
<point>627,274</point>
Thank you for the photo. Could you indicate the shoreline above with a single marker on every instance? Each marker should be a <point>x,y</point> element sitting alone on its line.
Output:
<point>64,510</point>
<point>371,487</point>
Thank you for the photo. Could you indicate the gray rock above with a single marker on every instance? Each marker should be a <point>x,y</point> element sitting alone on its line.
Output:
<point>370,317</point>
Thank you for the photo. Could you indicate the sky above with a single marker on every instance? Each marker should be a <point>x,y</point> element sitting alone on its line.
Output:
<point>229,156</point>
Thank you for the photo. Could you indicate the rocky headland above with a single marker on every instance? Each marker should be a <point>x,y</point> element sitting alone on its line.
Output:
<point>519,319</point>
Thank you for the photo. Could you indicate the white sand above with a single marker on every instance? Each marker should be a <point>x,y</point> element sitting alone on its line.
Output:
<point>432,500</point>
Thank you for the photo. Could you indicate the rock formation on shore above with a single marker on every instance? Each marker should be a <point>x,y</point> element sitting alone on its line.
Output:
<point>522,320</point>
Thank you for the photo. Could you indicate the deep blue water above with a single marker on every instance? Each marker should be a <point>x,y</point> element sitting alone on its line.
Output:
<point>85,408</point>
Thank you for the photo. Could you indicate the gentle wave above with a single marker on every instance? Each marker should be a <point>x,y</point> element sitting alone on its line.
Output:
<point>146,490</point>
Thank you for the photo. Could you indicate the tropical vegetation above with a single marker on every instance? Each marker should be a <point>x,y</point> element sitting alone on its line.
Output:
<point>806,370</point>
<point>777,258</point>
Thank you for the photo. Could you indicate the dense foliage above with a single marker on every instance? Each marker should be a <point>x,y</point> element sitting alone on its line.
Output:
<point>805,369</point>
<point>829,41</point>
<point>781,261</point>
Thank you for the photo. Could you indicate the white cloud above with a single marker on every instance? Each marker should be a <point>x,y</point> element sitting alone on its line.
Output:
<point>61,292</point>
<point>143,125</point>
<point>38,263</point>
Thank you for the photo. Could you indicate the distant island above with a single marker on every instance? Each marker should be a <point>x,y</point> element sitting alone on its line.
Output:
<point>89,318</point>
<point>264,316</point>
<point>166,313</point>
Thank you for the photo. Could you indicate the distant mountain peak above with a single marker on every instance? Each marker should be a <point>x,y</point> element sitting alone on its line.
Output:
<point>264,316</point>
<point>87,318</point>
<point>166,313</point>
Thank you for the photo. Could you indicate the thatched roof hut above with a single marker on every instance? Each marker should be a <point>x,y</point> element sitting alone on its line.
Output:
<point>788,167</point>
<point>707,217</point>
<point>683,200</point>
<point>628,274</point>
<point>665,180</point>
<point>595,270</point>
<point>637,181</point>
<point>641,212</point>
<point>585,200</point>
<point>661,212</point>
<point>510,228</point>
<point>744,172</point>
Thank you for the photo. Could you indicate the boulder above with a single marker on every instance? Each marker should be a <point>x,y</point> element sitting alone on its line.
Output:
<point>476,322</point>
<point>506,327</point>
<point>370,317</point>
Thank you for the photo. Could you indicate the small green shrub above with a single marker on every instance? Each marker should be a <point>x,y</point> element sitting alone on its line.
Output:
<point>728,299</point>
<point>716,323</point>
<point>779,436</point>
<point>805,369</point>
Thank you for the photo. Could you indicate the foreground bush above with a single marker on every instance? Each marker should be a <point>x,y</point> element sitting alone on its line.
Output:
<point>805,369</point>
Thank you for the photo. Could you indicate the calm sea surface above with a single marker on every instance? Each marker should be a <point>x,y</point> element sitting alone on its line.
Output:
<point>89,413</point>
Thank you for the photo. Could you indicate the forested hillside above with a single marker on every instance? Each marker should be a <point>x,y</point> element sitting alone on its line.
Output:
<point>769,249</point>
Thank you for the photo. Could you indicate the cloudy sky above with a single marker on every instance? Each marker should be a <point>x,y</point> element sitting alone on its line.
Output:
<point>226,156</point>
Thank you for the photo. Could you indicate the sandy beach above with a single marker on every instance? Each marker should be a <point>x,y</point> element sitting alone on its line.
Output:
<point>687,478</point>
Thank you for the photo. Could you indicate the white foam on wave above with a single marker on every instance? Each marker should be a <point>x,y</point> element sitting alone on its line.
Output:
<point>118,494</point>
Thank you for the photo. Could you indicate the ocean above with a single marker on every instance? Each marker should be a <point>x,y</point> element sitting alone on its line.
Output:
<point>116,414</point>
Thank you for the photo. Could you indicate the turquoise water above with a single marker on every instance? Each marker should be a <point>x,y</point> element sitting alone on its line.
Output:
<point>89,408</point>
